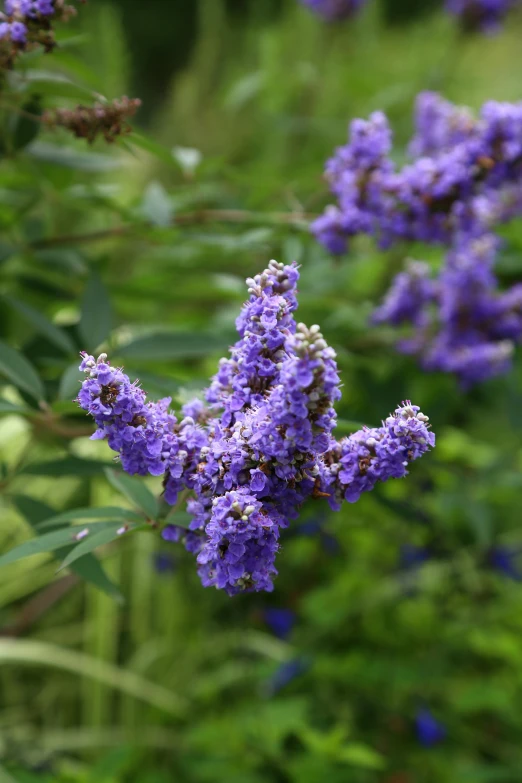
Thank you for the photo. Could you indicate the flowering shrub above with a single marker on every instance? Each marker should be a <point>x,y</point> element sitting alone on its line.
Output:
<point>262,447</point>
<point>463,183</point>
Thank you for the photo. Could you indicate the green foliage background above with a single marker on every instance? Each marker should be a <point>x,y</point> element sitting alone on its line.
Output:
<point>117,247</point>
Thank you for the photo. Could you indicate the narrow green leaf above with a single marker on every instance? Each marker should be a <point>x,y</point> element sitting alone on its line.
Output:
<point>56,85</point>
<point>27,129</point>
<point>181,345</point>
<point>69,158</point>
<point>34,511</point>
<point>16,368</point>
<point>109,513</point>
<point>135,490</point>
<point>151,146</point>
<point>90,543</point>
<point>31,653</point>
<point>96,318</point>
<point>70,383</point>
<point>69,466</point>
<point>49,542</point>
<point>91,570</point>
<point>7,408</point>
<point>88,568</point>
<point>42,324</point>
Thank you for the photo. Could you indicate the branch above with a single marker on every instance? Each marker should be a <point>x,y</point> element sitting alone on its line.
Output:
<point>296,220</point>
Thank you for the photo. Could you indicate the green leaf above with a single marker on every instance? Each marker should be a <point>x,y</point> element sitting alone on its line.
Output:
<point>91,570</point>
<point>360,756</point>
<point>16,368</point>
<point>48,542</point>
<point>68,466</point>
<point>7,407</point>
<point>42,324</point>
<point>151,146</point>
<point>70,383</point>
<point>31,653</point>
<point>34,511</point>
<point>135,490</point>
<point>27,129</point>
<point>109,513</point>
<point>156,205</point>
<point>181,345</point>
<point>96,318</point>
<point>88,568</point>
<point>72,159</point>
<point>56,85</point>
<point>89,543</point>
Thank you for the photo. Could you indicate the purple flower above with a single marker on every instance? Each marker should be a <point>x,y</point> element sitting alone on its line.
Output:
<point>264,445</point>
<point>333,10</point>
<point>285,674</point>
<point>430,731</point>
<point>164,563</point>
<point>503,559</point>
<point>280,621</point>
<point>369,456</point>
<point>485,15</point>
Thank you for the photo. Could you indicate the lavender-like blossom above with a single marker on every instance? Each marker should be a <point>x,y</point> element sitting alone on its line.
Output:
<point>464,180</point>
<point>241,544</point>
<point>263,446</point>
<point>429,730</point>
<point>467,177</point>
<point>485,15</point>
<point>25,24</point>
<point>377,454</point>
<point>463,325</point>
<point>333,10</point>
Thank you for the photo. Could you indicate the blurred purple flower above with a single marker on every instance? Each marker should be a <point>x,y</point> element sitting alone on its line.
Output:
<point>164,563</point>
<point>502,559</point>
<point>429,731</point>
<point>280,621</point>
<point>285,674</point>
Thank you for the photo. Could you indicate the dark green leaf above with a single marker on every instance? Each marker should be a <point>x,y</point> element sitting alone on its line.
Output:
<point>7,407</point>
<point>56,85</point>
<point>26,128</point>
<point>16,368</point>
<point>135,490</point>
<point>90,543</point>
<point>91,570</point>
<point>68,466</point>
<point>109,513</point>
<point>96,318</point>
<point>42,324</point>
<point>49,542</point>
<point>34,511</point>
<point>181,345</point>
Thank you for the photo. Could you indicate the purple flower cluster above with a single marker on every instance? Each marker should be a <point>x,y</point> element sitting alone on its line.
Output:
<point>333,10</point>
<point>485,15</point>
<point>261,447</point>
<point>24,23</point>
<point>371,455</point>
<point>464,180</point>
